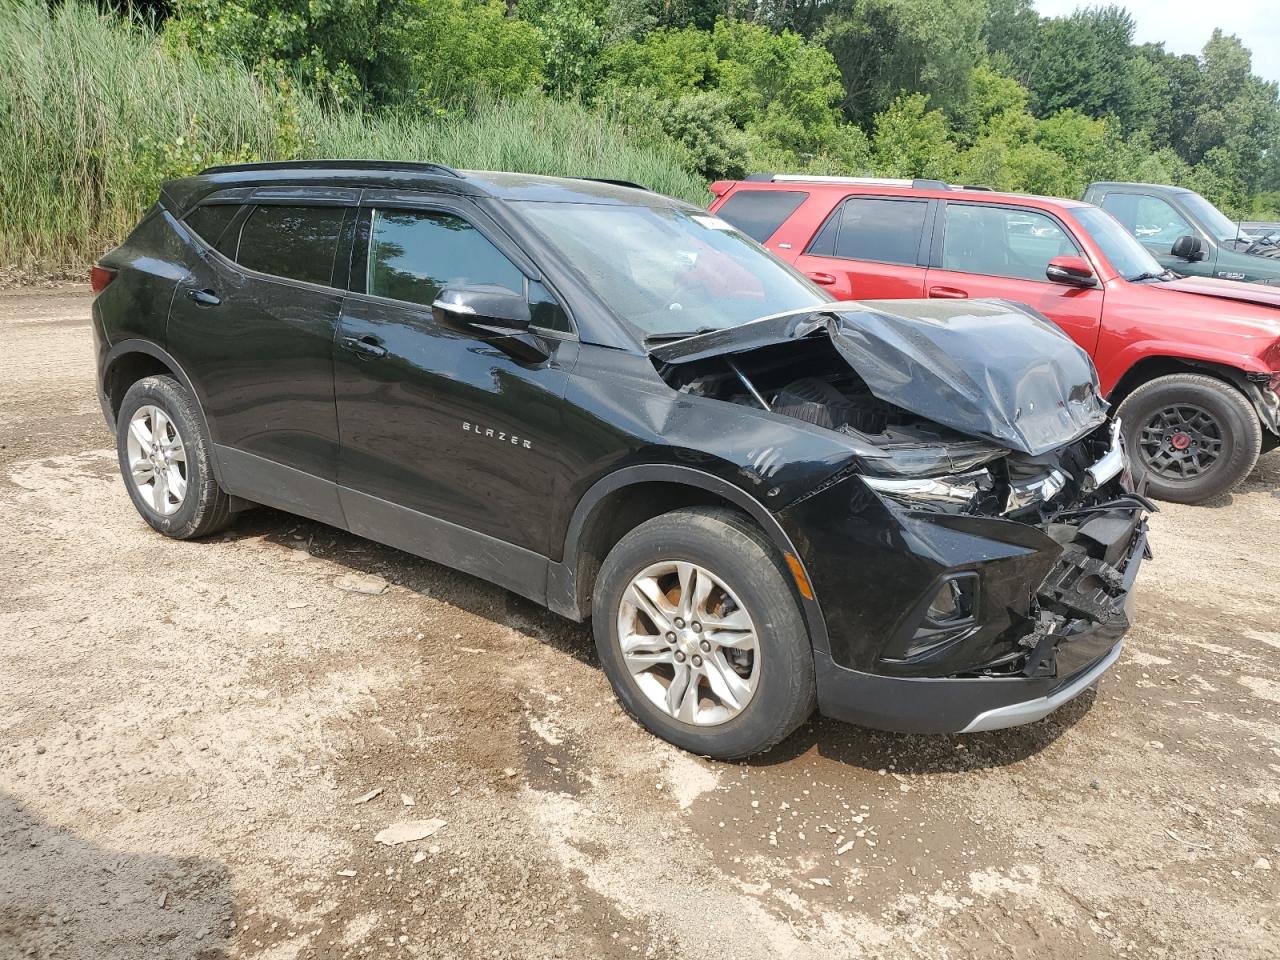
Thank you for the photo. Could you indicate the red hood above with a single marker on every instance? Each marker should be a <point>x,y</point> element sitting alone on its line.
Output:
<point>1258,293</point>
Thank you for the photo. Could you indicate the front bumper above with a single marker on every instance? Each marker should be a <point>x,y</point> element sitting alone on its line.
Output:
<point>1039,614</point>
<point>974,704</point>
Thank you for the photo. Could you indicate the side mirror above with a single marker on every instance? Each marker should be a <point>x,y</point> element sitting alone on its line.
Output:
<point>1073,271</point>
<point>1188,248</point>
<point>500,317</point>
<point>483,307</point>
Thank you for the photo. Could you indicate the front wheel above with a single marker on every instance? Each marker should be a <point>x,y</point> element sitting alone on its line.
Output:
<point>1192,436</point>
<point>701,635</point>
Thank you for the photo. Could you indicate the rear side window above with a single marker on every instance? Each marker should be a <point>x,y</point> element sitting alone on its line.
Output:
<point>211,221</point>
<point>885,231</point>
<point>759,213</point>
<point>298,243</point>
<point>413,254</point>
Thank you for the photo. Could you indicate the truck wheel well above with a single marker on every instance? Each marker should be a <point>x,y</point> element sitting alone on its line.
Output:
<point>127,370</point>
<point>1149,368</point>
<point>620,512</point>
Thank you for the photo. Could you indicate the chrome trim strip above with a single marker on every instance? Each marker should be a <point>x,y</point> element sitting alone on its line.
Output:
<point>1016,714</point>
<point>1111,462</point>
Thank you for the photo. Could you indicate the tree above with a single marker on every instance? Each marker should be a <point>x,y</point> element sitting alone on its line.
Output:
<point>338,47</point>
<point>888,47</point>
<point>1081,62</point>
<point>910,140</point>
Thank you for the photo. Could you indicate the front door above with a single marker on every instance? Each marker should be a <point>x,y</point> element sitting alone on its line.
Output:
<point>443,432</point>
<point>870,248</point>
<point>1002,252</point>
<point>1157,226</point>
<point>257,335</point>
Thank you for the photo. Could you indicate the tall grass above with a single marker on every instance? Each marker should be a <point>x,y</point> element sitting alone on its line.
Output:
<point>96,111</point>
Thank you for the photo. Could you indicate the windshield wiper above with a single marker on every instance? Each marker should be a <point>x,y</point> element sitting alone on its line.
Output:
<point>668,337</point>
<point>1162,275</point>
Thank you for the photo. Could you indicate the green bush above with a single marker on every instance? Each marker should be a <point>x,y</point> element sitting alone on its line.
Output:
<point>96,111</point>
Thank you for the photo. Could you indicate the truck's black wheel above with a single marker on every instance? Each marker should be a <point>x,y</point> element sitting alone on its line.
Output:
<point>701,635</point>
<point>1192,436</point>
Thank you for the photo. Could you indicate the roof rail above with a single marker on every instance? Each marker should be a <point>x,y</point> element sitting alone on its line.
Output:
<point>616,183</point>
<point>419,166</point>
<point>919,183</point>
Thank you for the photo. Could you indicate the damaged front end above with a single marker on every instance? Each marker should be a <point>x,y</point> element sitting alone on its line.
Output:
<point>981,546</point>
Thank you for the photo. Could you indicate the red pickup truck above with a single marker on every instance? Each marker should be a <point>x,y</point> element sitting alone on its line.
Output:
<point>1191,365</point>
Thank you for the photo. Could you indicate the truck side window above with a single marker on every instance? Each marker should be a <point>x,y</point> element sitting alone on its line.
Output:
<point>1153,221</point>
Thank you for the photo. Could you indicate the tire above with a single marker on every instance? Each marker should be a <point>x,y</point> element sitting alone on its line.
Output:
<point>204,508</point>
<point>1217,423</point>
<point>744,570</point>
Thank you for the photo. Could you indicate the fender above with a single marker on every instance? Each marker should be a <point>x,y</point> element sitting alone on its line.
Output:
<point>562,576</point>
<point>125,347</point>
<point>1120,363</point>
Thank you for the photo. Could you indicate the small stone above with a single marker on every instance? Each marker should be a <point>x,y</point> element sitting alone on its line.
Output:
<point>371,795</point>
<point>1262,863</point>
<point>406,800</point>
<point>367,584</point>
<point>408,831</point>
<point>346,873</point>
<point>419,856</point>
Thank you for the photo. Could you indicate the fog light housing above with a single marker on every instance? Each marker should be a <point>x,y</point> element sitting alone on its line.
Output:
<point>955,601</point>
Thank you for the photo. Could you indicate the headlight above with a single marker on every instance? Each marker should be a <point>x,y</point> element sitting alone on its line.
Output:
<point>960,489</point>
<point>932,460</point>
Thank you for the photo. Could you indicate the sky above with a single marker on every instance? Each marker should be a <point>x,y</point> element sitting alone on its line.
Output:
<point>1185,25</point>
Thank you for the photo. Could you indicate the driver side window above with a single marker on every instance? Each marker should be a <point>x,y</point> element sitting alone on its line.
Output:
<point>414,254</point>
<point>1002,242</point>
<point>1151,220</point>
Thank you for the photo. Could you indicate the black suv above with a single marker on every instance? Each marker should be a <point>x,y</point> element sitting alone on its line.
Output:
<point>912,514</point>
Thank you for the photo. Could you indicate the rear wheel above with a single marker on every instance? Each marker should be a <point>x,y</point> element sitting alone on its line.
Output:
<point>701,635</point>
<point>1192,436</point>
<point>165,457</point>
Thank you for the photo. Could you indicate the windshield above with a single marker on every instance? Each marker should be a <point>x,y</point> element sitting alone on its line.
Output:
<point>1211,218</point>
<point>668,271</point>
<point>1130,258</point>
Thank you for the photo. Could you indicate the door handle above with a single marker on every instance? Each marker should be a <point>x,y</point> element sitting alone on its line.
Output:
<point>822,279</point>
<point>947,293</point>
<point>364,346</point>
<point>205,297</point>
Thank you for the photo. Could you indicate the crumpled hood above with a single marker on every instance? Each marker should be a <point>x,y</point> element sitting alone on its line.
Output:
<point>987,368</point>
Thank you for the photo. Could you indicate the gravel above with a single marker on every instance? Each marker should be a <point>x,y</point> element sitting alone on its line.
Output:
<point>186,741</point>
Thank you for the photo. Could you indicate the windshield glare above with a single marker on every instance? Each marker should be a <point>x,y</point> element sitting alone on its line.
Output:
<point>1213,219</point>
<point>669,271</point>
<point>1127,255</point>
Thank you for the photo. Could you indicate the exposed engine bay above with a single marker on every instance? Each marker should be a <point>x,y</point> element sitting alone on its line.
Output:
<point>1078,493</point>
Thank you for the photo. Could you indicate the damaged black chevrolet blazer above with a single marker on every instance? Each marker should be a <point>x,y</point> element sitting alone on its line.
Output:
<point>913,515</point>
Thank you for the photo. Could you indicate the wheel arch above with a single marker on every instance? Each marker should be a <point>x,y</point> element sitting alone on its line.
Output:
<point>1162,365</point>
<point>129,361</point>
<point>620,501</point>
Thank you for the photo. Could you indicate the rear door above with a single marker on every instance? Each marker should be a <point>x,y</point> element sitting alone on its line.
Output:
<point>871,248</point>
<point>253,325</point>
<point>989,250</point>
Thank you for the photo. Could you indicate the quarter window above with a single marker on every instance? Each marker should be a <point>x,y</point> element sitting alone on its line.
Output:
<point>1002,242</point>
<point>294,242</point>
<point>759,213</point>
<point>884,231</point>
<point>414,254</point>
<point>211,220</point>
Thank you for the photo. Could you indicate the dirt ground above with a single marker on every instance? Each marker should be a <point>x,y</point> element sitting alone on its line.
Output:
<point>192,734</point>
